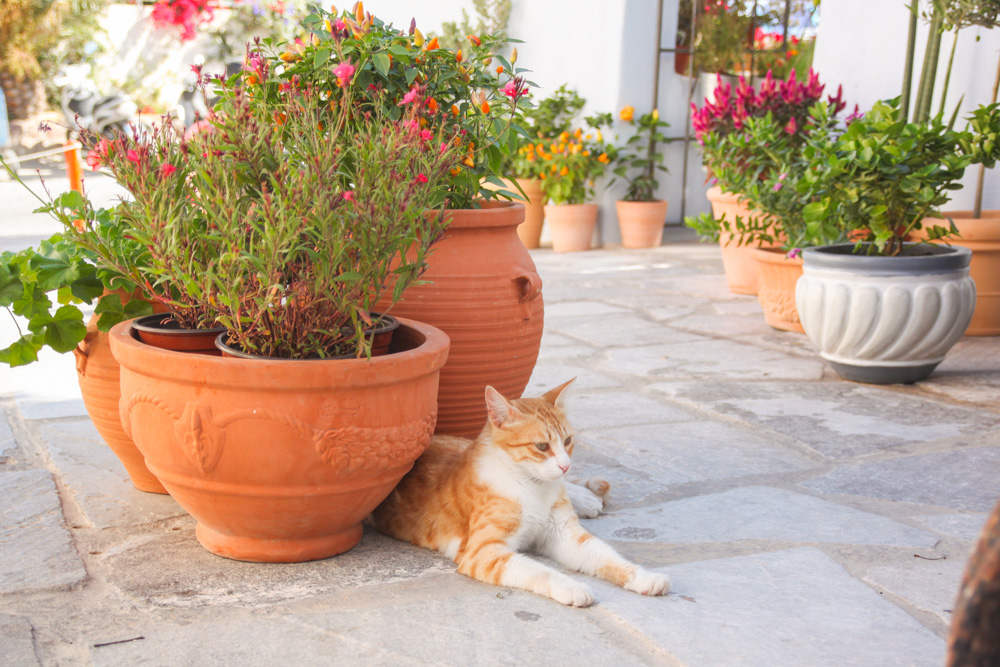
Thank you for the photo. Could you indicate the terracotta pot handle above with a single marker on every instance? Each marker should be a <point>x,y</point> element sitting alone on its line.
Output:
<point>528,285</point>
<point>81,352</point>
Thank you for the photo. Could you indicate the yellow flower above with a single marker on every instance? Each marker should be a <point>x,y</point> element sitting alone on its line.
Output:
<point>626,114</point>
<point>603,158</point>
<point>578,133</point>
<point>600,137</point>
<point>656,114</point>
<point>564,137</point>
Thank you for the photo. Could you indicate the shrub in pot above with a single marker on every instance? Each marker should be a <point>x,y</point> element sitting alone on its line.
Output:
<point>297,221</point>
<point>481,286</point>
<point>733,161</point>
<point>640,215</point>
<point>885,310</point>
<point>570,163</point>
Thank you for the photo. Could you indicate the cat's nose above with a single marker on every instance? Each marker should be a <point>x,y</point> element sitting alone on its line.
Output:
<point>564,468</point>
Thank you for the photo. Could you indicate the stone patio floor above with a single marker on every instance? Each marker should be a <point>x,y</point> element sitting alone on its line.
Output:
<point>803,520</point>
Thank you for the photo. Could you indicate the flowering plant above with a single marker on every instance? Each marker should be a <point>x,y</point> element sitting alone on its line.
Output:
<point>549,118</point>
<point>723,36</point>
<point>471,94</point>
<point>184,13</point>
<point>570,163</point>
<point>639,156</point>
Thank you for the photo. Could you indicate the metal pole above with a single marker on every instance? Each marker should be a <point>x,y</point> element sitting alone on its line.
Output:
<point>687,111</point>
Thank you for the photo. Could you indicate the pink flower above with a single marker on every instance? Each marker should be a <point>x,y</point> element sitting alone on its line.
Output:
<point>132,155</point>
<point>510,90</point>
<point>793,253</point>
<point>409,97</point>
<point>340,25</point>
<point>421,178</point>
<point>344,71</point>
<point>426,135</point>
<point>349,195</point>
<point>792,126</point>
<point>166,169</point>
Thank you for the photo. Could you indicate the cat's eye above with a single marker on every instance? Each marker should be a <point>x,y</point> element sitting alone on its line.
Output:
<point>542,446</point>
<point>568,441</point>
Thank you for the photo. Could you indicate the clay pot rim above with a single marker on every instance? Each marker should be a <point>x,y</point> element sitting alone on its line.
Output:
<point>493,213</point>
<point>774,256</point>
<point>656,202</point>
<point>147,323</point>
<point>715,193</point>
<point>841,257</point>
<point>309,374</point>
<point>564,206</point>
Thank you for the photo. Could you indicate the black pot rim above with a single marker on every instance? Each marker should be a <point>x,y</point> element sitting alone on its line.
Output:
<point>157,323</point>
<point>386,323</point>
<point>841,257</point>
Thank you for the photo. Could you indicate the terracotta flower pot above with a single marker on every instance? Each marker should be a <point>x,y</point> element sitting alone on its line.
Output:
<point>529,231</point>
<point>572,226</point>
<point>161,330</point>
<point>641,222</point>
<point>982,237</point>
<point>280,460</point>
<point>737,261</point>
<point>778,276</point>
<point>98,375</point>
<point>485,294</point>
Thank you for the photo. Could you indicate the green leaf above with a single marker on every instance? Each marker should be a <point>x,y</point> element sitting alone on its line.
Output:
<point>321,57</point>
<point>347,276</point>
<point>22,351</point>
<point>54,272</point>
<point>382,63</point>
<point>10,284</point>
<point>87,289</point>
<point>66,329</point>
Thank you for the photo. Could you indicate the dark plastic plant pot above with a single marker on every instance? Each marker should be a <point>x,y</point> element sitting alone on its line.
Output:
<point>381,335</point>
<point>163,331</point>
<point>885,320</point>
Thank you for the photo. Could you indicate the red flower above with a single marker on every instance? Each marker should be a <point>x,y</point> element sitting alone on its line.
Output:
<point>349,195</point>
<point>132,155</point>
<point>166,169</point>
<point>421,178</point>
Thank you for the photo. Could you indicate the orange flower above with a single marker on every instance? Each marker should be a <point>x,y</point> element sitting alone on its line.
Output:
<point>475,40</point>
<point>626,114</point>
<point>499,69</point>
<point>432,105</point>
<point>454,110</point>
<point>564,171</point>
<point>431,45</point>
<point>603,158</point>
<point>458,56</point>
<point>485,107</point>
<point>468,161</point>
<point>578,133</point>
<point>455,171</point>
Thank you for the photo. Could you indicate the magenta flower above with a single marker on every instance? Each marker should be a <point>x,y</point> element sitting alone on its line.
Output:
<point>792,126</point>
<point>349,195</point>
<point>344,71</point>
<point>132,155</point>
<point>409,97</point>
<point>794,253</point>
<point>421,178</point>
<point>426,135</point>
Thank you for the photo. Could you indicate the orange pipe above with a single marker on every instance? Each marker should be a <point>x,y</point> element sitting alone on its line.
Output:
<point>74,171</point>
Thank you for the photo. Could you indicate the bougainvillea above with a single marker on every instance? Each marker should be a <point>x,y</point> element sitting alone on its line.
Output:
<point>184,13</point>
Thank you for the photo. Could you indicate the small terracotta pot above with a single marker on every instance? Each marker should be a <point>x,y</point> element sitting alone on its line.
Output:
<point>778,276</point>
<point>641,222</point>
<point>161,330</point>
<point>98,374</point>
<point>483,291</point>
<point>529,231</point>
<point>982,237</point>
<point>572,226</point>
<point>737,261</point>
<point>280,460</point>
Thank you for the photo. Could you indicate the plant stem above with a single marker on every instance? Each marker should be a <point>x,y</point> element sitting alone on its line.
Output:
<point>911,39</point>
<point>929,73</point>
<point>947,73</point>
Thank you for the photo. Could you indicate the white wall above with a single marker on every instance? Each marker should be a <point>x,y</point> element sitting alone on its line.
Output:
<point>862,45</point>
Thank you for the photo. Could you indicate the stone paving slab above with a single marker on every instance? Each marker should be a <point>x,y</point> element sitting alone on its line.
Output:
<point>582,308</point>
<point>619,330</point>
<point>692,451</point>
<point>16,646</point>
<point>962,526</point>
<point>838,419</point>
<point>930,585</point>
<point>755,513</point>
<point>551,375</point>
<point>36,549</point>
<point>46,389</point>
<point>763,610</point>
<point>708,360</point>
<point>8,445</point>
<point>966,479</point>
<point>619,408</point>
<point>97,479</point>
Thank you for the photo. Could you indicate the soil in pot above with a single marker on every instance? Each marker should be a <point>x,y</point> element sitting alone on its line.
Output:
<point>381,334</point>
<point>280,460</point>
<point>162,330</point>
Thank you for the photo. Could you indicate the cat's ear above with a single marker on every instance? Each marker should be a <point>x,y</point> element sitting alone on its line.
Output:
<point>557,396</point>
<point>500,411</point>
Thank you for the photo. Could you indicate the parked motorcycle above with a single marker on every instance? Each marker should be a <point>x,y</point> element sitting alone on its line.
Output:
<point>87,111</point>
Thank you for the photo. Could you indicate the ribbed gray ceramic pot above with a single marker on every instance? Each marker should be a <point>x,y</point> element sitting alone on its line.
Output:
<point>885,320</point>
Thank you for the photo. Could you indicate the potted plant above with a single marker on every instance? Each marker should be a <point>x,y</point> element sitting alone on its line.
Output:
<point>290,222</point>
<point>640,215</point>
<point>884,310</point>
<point>571,162</point>
<point>735,163</point>
<point>548,118</point>
<point>481,286</point>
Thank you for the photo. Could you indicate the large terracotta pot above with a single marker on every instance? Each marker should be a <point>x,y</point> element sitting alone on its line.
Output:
<point>571,225</point>
<point>982,237</point>
<point>485,294</point>
<point>98,375</point>
<point>641,222</point>
<point>280,460</point>
<point>737,260</point>
<point>778,276</point>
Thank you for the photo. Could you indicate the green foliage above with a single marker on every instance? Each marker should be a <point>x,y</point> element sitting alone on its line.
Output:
<point>549,118</point>
<point>279,22</point>
<point>724,36</point>
<point>39,35</point>
<point>570,164</point>
<point>638,160</point>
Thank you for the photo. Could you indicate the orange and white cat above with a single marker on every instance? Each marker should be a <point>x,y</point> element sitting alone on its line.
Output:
<point>484,502</point>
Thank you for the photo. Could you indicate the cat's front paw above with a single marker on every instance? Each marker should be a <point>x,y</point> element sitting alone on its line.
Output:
<point>648,583</point>
<point>586,503</point>
<point>570,592</point>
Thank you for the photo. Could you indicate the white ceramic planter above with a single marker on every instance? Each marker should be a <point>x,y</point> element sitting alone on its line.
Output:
<point>885,320</point>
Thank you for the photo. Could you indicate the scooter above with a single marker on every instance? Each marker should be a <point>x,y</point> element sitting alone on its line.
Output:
<point>89,112</point>
<point>194,103</point>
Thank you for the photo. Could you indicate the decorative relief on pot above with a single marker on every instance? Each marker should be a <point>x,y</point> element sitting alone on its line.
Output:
<point>355,448</point>
<point>885,320</point>
<point>781,304</point>
<point>200,438</point>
